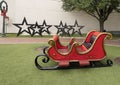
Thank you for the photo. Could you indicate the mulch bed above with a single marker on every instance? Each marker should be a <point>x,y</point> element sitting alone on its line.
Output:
<point>117,61</point>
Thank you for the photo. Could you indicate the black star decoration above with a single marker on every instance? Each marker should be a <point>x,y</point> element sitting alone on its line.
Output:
<point>76,28</point>
<point>62,29</point>
<point>66,30</point>
<point>23,27</point>
<point>45,27</point>
<point>36,29</point>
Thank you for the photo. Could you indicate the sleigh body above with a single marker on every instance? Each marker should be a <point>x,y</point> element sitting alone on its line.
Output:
<point>85,54</point>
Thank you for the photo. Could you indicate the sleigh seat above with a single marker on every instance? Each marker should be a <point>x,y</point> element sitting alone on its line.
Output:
<point>61,48</point>
<point>89,40</point>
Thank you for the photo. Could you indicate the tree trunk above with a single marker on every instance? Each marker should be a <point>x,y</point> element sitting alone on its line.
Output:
<point>101,26</point>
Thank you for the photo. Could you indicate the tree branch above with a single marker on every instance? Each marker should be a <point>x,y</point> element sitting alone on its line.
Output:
<point>109,11</point>
<point>92,14</point>
<point>94,3</point>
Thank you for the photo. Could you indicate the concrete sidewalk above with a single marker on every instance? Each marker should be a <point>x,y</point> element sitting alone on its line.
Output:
<point>45,40</point>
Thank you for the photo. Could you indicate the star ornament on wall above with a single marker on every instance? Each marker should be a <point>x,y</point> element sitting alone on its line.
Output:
<point>36,29</point>
<point>76,28</point>
<point>62,29</point>
<point>23,27</point>
<point>45,27</point>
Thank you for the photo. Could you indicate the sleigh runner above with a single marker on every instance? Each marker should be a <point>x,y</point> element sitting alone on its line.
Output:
<point>88,54</point>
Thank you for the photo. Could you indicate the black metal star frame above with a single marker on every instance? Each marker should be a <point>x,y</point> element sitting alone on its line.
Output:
<point>23,27</point>
<point>76,28</point>
<point>36,29</point>
<point>62,29</point>
<point>45,28</point>
<point>66,30</point>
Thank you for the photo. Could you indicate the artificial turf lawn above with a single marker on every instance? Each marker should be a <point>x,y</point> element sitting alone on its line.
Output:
<point>17,68</point>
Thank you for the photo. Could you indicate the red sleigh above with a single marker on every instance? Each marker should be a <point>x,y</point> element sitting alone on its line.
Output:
<point>88,54</point>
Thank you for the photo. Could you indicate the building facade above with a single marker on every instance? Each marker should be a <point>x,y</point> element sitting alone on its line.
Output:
<point>51,11</point>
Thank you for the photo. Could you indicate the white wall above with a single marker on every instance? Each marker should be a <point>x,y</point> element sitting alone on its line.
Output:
<point>51,11</point>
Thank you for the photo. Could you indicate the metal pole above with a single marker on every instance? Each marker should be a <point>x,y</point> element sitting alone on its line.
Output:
<point>4,9</point>
<point>3,30</point>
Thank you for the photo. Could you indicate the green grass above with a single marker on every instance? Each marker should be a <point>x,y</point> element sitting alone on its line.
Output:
<point>17,68</point>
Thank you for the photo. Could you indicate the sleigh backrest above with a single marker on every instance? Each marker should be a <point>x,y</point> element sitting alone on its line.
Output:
<point>91,37</point>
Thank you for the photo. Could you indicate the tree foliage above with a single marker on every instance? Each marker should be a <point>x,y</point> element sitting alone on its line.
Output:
<point>100,9</point>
